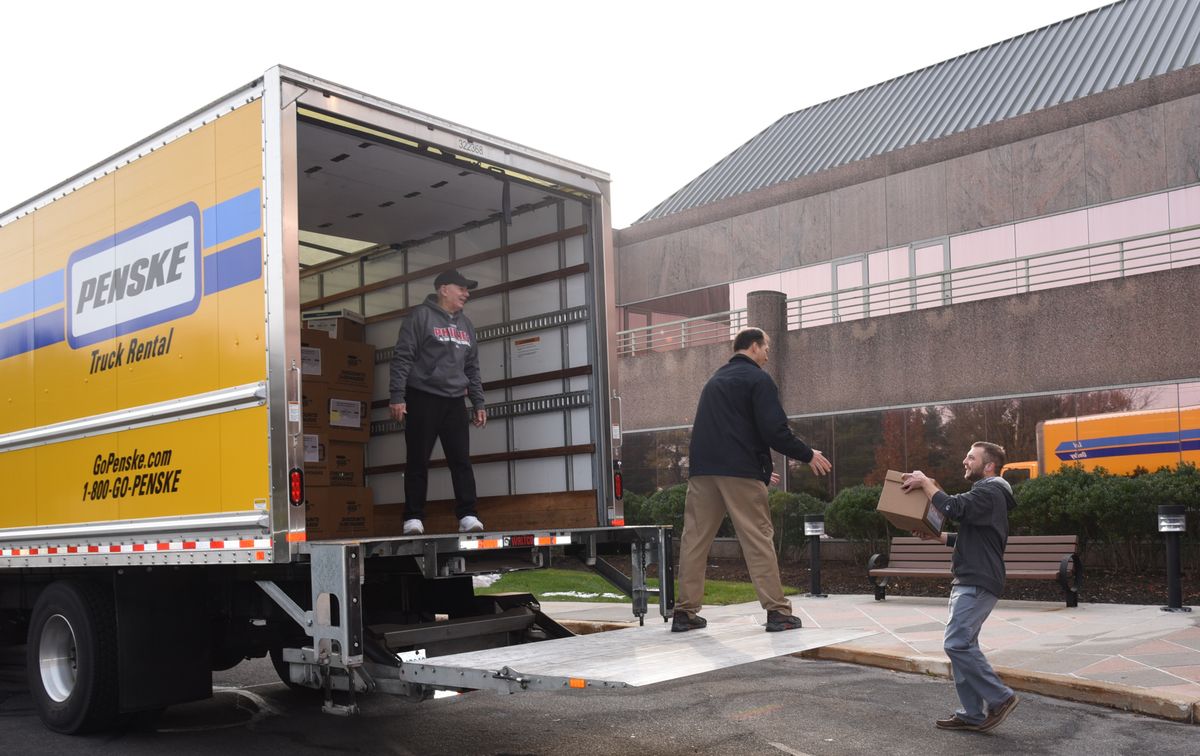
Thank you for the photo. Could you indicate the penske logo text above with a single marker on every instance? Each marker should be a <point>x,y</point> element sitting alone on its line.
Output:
<point>138,278</point>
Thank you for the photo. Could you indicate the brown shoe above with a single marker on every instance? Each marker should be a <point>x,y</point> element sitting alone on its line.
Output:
<point>999,714</point>
<point>952,722</point>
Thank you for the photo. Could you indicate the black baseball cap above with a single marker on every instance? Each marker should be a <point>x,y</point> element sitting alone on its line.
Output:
<point>453,277</point>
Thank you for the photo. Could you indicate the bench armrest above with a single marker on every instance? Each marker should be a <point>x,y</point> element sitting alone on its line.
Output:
<point>1070,579</point>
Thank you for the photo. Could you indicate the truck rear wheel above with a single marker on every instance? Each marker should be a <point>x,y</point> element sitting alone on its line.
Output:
<point>72,657</point>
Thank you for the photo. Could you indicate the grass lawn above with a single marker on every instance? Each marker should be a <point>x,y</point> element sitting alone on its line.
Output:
<point>573,585</point>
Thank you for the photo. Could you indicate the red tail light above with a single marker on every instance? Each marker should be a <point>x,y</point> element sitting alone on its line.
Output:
<point>618,481</point>
<point>296,487</point>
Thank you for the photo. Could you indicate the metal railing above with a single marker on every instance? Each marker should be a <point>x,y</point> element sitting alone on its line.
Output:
<point>1120,258</point>
<point>716,328</point>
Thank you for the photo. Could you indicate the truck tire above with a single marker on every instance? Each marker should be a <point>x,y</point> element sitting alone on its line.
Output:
<point>281,669</point>
<point>72,657</point>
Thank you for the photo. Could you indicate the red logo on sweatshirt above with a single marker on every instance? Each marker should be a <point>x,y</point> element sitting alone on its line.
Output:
<point>453,335</point>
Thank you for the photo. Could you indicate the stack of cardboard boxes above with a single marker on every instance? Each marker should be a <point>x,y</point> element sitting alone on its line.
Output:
<point>338,378</point>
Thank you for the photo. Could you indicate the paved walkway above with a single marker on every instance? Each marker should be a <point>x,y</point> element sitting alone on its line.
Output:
<point>1137,658</point>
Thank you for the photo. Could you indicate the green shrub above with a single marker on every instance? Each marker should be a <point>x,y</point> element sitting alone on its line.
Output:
<point>634,505</point>
<point>852,516</point>
<point>1053,504</point>
<point>663,507</point>
<point>787,515</point>
<point>1118,510</point>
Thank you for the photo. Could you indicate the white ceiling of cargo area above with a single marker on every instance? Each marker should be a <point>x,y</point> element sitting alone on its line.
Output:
<point>354,188</point>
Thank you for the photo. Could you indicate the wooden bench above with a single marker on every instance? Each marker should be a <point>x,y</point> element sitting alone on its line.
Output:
<point>1025,558</point>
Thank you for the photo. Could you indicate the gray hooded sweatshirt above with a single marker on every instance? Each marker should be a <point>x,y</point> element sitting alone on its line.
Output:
<point>982,515</point>
<point>436,353</point>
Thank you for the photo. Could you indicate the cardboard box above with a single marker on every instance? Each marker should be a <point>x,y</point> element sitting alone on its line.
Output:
<point>316,459</point>
<point>345,325</point>
<point>908,511</point>
<point>347,416</point>
<point>335,414</point>
<point>343,364</point>
<point>338,512</point>
<point>311,364</point>
<point>333,463</point>
<point>314,407</point>
<point>346,463</point>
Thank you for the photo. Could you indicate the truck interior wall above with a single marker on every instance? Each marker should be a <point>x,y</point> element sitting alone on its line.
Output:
<point>391,214</point>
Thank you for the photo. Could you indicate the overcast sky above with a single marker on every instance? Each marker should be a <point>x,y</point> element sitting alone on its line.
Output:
<point>651,92</point>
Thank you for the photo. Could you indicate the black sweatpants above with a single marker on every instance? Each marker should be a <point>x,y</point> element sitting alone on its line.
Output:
<point>430,417</point>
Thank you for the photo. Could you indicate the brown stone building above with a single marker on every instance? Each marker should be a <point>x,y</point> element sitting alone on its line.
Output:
<point>1040,196</point>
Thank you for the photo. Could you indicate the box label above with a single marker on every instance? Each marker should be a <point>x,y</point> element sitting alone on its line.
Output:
<point>310,360</point>
<point>345,413</point>
<point>312,448</point>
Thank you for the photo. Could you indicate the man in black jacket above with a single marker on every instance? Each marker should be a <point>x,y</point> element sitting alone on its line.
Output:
<point>978,566</point>
<point>739,420</point>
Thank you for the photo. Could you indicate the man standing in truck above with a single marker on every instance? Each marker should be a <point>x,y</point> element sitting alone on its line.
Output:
<point>738,422</point>
<point>434,365</point>
<point>978,566</point>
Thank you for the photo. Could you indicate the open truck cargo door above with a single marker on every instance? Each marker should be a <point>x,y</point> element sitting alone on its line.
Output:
<point>630,657</point>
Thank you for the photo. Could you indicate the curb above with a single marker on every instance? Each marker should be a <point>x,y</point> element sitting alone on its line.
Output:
<point>1113,695</point>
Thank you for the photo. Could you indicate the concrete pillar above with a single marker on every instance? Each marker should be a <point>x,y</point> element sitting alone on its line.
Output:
<point>768,310</point>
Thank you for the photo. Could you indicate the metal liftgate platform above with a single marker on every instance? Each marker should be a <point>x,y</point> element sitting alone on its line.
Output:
<point>629,657</point>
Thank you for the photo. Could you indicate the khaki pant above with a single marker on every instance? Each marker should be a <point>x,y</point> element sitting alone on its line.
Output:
<point>709,497</point>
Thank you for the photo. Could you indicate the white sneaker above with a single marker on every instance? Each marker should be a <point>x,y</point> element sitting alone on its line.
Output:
<point>413,527</point>
<point>470,524</point>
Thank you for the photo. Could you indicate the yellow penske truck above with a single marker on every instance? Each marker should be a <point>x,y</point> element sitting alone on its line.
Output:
<point>195,337</point>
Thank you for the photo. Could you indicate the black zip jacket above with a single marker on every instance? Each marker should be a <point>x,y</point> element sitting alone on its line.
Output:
<point>739,420</point>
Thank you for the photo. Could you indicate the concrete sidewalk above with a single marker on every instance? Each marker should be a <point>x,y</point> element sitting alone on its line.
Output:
<point>1137,658</point>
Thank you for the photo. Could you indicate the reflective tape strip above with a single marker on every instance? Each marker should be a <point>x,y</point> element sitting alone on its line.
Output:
<point>474,544</point>
<point>242,544</point>
<point>490,543</point>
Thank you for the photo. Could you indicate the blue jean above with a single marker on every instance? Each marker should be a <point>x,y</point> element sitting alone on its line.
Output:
<point>979,688</point>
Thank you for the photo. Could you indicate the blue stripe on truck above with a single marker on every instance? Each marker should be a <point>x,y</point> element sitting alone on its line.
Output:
<point>1187,439</point>
<point>31,334</point>
<point>232,218</point>
<point>1133,439</point>
<point>239,264</point>
<point>32,296</point>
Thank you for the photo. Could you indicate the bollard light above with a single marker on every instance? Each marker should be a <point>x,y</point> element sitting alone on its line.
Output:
<point>814,528</point>
<point>814,525</point>
<point>1172,520</point>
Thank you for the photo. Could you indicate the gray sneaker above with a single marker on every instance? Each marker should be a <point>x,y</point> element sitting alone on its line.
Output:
<point>470,524</point>
<point>778,622</point>
<point>681,622</point>
<point>413,527</point>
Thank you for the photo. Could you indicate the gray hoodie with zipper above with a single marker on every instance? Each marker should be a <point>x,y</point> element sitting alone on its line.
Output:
<point>436,353</point>
<point>982,515</point>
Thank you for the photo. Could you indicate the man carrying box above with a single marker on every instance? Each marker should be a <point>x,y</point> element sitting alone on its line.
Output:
<point>436,364</point>
<point>978,566</point>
